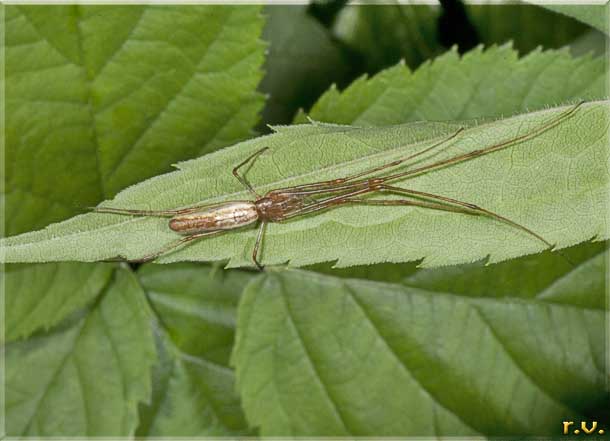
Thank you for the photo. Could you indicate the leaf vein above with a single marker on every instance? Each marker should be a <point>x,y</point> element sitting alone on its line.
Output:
<point>512,357</point>
<point>397,358</point>
<point>52,380</point>
<point>89,104</point>
<point>120,47</point>
<point>160,114</point>
<point>317,374</point>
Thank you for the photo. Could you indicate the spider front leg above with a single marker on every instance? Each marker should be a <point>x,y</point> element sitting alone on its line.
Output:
<point>171,246</point>
<point>259,239</point>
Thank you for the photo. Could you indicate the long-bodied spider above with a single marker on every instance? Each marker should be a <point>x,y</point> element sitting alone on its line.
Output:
<point>286,203</point>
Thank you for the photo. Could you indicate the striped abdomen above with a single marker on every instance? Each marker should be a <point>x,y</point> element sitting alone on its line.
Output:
<point>220,217</point>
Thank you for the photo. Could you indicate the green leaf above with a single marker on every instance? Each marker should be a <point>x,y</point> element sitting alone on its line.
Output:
<point>592,42</point>
<point>40,296</point>
<point>323,356</point>
<point>135,88</point>
<point>87,376</point>
<point>384,34</point>
<point>114,95</point>
<point>527,26</point>
<point>87,86</point>
<point>486,84</point>
<point>526,277</point>
<point>546,276</point>
<point>291,83</point>
<point>194,392</point>
<point>520,182</point>
<point>593,15</point>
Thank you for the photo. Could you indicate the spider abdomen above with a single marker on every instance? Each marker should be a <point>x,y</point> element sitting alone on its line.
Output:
<point>220,217</point>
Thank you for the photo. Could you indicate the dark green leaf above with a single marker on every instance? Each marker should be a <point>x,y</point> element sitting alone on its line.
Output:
<point>42,295</point>
<point>321,356</point>
<point>99,97</point>
<point>527,277</point>
<point>194,393</point>
<point>385,34</point>
<point>117,94</point>
<point>87,376</point>
<point>540,276</point>
<point>591,42</point>
<point>527,26</point>
<point>303,61</point>
<point>593,15</point>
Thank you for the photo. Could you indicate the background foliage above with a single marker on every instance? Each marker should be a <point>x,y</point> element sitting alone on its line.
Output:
<point>101,97</point>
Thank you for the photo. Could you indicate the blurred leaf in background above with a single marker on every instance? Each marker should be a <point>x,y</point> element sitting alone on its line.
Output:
<point>595,15</point>
<point>302,61</point>
<point>69,113</point>
<point>332,43</point>
<point>528,26</point>
<point>383,35</point>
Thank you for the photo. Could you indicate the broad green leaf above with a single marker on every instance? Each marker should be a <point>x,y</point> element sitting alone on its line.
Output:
<point>547,276</point>
<point>194,392</point>
<point>87,376</point>
<point>527,26</point>
<point>485,84</point>
<point>108,96</point>
<point>136,88</point>
<point>527,277</point>
<point>42,295</point>
<point>539,183</point>
<point>593,15</point>
<point>303,61</point>
<point>381,272</point>
<point>591,42</point>
<point>87,86</point>
<point>523,277</point>
<point>323,356</point>
<point>384,34</point>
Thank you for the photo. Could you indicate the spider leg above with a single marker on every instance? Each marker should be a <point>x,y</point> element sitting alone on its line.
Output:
<point>484,151</point>
<point>172,245</point>
<point>466,205</point>
<point>336,184</point>
<point>242,178</point>
<point>152,213</point>
<point>407,202</point>
<point>259,238</point>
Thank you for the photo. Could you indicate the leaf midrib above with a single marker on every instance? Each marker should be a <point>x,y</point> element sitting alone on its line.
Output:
<point>323,384</point>
<point>88,79</point>
<point>468,300</point>
<point>400,361</point>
